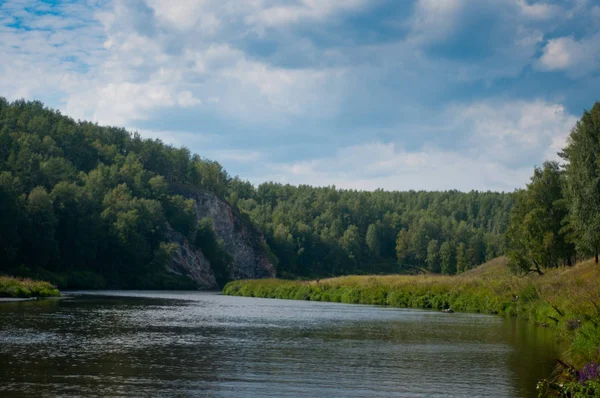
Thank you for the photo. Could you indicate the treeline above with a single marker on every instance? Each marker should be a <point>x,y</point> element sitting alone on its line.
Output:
<point>89,206</point>
<point>326,231</point>
<point>556,219</point>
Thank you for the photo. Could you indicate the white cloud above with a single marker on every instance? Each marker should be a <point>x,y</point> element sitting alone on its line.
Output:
<point>539,11</point>
<point>186,99</point>
<point>504,140</point>
<point>512,132</point>
<point>142,57</point>
<point>576,57</point>
<point>384,165</point>
<point>435,19</point>
<point>127,61</point>
<point>278,15</point>
<point>188,14</point>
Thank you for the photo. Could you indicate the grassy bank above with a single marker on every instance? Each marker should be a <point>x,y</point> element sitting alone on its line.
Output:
<point>23,288</point>
<point>566,299</point>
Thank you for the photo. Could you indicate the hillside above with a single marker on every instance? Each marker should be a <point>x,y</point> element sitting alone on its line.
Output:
<point>83,205</point>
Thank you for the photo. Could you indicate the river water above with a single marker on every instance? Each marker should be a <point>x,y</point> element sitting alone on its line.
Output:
<point>187,344</point>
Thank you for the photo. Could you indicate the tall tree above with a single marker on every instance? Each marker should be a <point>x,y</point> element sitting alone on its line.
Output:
<point>372,240</point>
<point>582,154</point>
<point>535,236</point>
<point>433,257</point>
<point>403,246</point>
<point>447,258</point>
<point>461,259</point>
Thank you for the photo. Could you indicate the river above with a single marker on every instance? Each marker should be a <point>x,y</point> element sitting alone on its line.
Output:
<point>187,344</point>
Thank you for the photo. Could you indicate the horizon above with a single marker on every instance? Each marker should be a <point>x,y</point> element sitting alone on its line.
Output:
<point>423,95</point>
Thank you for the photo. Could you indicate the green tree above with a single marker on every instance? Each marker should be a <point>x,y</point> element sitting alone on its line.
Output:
<point>535,235</point>
<point>10,220</point>
<point>220,260</point>
<point>350,242</point>
<point>447,258</point>
<point>462,262</point>
<point>582,154</point>
<point>433,257</point>
<point>372,240</point>
<point>40,245</point>
<point>403,252</point>
<point>181,214</point>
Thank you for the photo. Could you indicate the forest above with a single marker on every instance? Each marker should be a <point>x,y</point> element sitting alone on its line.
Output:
<point>556,219</point>
<point>85,205</point>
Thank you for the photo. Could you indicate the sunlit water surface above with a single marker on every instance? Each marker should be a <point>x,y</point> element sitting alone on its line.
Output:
<point>139,344</point>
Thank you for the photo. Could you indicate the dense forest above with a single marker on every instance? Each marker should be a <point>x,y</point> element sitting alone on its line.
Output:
<point>324,231</point>
<point>556,219</point>
<point>88,206</point>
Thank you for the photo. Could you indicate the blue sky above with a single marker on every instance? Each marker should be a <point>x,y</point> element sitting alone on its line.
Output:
<point>361,94</point>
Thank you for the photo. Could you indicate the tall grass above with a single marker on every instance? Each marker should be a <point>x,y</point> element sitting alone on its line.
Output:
<point>566,299</point>
<point>24,288</point>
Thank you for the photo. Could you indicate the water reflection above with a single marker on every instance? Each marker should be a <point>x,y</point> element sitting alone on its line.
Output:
<point>199,344</point>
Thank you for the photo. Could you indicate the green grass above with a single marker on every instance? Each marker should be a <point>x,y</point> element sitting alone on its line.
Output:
<point>566,299</point>
<point>25,288</point>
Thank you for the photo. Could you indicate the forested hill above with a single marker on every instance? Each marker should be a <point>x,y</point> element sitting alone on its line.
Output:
<point>86,205</point>
<point>324,231</point>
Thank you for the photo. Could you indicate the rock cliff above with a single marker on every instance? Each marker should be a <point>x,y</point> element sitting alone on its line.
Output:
<point>190,261</point>
<point>241,240</point>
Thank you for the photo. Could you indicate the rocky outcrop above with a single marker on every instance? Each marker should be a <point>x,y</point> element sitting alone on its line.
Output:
<point>241,240</point>
<point>244,243</point>
<point>190,261</point>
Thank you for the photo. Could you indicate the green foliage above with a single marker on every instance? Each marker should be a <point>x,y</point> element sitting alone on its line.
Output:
<point>76,197</point>
<point>582,187</point>
<point>372,240</point>
<point>461,259</point>
<point>326,231</point>
<point>181,214</point>
<point>536,237</point>
<point>433,257</point>
<point>24,288</point>
<point>447,259</point>
<point>214,251</point>
<point>89,206</point>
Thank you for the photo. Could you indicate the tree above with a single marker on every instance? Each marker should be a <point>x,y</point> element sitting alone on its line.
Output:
<point>582,171</point>
<point>181,214</point>
<point>433,256</point>
<point>372,240</point>
<point>403,246</point>
<point>111,194</point>
<point>447,259</point>
<point>462,263</point>
<point>40,246</point>
<point>535,235</point>
<point>220,260</point>
<point>350,242</point>
<point>10,220</point>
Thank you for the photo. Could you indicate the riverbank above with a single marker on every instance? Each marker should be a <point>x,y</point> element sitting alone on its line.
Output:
<point>566,299</point>
<point>20,288</point>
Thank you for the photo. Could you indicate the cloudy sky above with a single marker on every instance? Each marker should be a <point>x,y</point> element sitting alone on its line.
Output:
<point>364,94</point>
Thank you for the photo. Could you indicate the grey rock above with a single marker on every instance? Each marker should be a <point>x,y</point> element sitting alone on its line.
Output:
<point>241,240</point>
<point>190,261</point>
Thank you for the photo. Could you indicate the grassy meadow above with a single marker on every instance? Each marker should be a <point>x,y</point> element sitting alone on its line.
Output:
<point>25,288</point>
